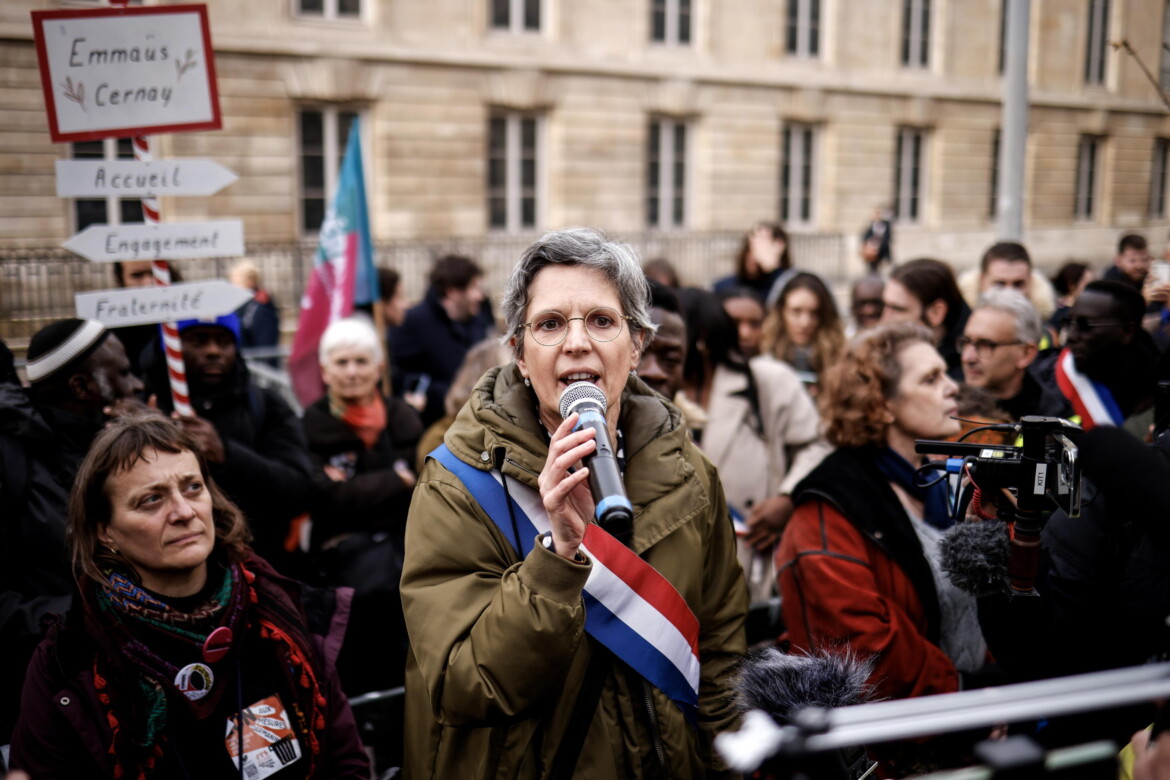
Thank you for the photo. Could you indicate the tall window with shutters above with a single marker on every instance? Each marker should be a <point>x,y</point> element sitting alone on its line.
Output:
<point>515,16</point>
<point>916,33</point>
<point>324,132</point>
<point>802,28</point>
<point>513,170</point>
<point>666,173</point>
<point>798,161</point>
<point>110,210</point>
<point>329,9</point>
<point>670,22</point>
<point>909,178</point>
<point>1088,166</point>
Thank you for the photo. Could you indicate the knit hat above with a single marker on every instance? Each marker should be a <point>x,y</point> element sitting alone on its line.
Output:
<point>62,345</point>
<point>229,321</point>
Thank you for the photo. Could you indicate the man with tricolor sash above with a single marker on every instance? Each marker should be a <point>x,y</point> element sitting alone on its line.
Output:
<point>1107,368</point>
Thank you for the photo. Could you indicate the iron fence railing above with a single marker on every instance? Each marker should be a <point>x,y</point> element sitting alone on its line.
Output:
<point>37,284</point>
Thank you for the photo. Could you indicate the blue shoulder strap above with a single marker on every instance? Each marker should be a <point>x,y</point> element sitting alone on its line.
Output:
<point>490,495</point>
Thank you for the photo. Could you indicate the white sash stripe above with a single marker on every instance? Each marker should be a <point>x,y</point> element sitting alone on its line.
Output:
<point>616,596</point>
<point>1086,391</point>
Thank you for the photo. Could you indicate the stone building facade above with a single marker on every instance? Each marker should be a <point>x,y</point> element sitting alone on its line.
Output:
<point>688,116</point>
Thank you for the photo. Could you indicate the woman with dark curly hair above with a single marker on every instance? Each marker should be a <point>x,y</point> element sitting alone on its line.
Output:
<point>859,563</point>
<point>185,655</point>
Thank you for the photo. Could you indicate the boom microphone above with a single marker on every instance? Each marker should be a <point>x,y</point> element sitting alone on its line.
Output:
<point>614,511</point>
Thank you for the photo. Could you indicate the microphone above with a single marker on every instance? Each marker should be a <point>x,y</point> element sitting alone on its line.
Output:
<point>605,478</point>
<point>975,556</point>
<point>772,689</point>
<point>781,684</point>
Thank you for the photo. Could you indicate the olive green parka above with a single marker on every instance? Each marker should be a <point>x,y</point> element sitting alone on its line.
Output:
<point>498,643</point>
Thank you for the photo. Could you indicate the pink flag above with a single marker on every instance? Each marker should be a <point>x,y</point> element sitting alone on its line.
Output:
<point>343,274</point>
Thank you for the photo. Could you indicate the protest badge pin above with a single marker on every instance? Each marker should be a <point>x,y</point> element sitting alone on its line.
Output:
<point>217,645</point>
<point>194,681</point>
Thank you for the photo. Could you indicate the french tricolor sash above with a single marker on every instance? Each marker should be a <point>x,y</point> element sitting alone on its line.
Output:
<point>1091,400</point>
<point>629,607</point>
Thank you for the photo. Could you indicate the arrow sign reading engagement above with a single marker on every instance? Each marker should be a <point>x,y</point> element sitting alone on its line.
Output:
<point>140,179</point>
<point>171,241</point>
<point>138,305</point>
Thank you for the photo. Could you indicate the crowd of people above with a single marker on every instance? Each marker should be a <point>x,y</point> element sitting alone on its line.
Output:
<point>432,520</point>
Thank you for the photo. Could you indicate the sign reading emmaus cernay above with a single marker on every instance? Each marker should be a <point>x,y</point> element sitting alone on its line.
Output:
<point>117,72</point>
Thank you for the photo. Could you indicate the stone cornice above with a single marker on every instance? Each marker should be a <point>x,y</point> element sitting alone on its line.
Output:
<point>672,67</point>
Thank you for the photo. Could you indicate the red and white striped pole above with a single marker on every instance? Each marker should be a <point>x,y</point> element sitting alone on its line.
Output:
<point>172,346</point>
<point>176,370</point>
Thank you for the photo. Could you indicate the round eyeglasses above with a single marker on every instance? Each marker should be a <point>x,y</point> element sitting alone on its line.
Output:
<point>983,347</point>
<point>550,327</point>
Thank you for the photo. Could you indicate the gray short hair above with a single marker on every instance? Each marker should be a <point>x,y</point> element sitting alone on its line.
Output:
<point>350,333</point>
<point>1028,327</point>
<point>586,247</point>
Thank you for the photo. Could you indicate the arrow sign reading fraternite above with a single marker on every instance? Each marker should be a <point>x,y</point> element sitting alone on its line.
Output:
<point>138,305</point>
<point>139,178</point>
<point>170,241</point>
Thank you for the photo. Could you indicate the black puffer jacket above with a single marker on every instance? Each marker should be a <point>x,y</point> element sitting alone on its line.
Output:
<point>1103,583</point>
<point>40,450</point>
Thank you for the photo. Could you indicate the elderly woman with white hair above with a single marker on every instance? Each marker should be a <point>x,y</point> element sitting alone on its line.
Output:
<point>546,640</point>
<point>362,446</point>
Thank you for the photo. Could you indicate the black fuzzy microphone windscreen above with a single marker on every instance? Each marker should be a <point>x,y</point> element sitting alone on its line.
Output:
<point>781,684</point>
<point>975,556</point>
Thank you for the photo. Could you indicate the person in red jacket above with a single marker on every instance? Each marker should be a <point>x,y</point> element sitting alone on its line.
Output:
<point>858,563</point>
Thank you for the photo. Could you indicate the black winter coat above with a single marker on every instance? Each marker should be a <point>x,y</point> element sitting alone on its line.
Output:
<point>40,452</point>
<point>374,497</point>
<point>429,342</point>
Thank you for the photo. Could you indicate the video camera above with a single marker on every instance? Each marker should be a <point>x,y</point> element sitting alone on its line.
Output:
<point>1042,470</point>
<point>1042,473</point>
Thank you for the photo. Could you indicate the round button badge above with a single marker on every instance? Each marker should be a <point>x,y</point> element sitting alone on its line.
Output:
<point>218,643</point>
<point>194,681</point>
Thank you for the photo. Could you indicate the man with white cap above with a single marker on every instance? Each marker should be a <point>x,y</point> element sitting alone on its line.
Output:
<point>79,377</point>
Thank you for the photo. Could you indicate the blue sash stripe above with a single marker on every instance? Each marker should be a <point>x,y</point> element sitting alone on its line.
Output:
<point>491,497</point>
<point>1108,401</point>
<point>608,628</point>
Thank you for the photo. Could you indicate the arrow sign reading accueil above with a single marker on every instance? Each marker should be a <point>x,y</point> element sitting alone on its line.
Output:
<point>140,179</point>
<point>170,241</point>
<point>139,305</point>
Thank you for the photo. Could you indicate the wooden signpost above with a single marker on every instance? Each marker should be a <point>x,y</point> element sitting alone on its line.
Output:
<point>140,305</point>
<point>136,179</point>
<point>129,72</point>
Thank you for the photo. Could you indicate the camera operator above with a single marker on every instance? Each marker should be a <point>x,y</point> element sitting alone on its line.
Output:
<point>1102,589</point>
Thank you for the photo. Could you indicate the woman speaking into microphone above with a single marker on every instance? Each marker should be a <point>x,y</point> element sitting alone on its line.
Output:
<point>542,644</point>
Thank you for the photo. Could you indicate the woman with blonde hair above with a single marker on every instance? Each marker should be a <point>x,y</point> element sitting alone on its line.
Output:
<point>804,328</point>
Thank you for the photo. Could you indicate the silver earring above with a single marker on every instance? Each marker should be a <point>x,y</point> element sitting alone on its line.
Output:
<point>527,382</point>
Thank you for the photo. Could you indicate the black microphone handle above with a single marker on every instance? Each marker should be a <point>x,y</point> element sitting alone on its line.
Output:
<point>614,511</point>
